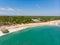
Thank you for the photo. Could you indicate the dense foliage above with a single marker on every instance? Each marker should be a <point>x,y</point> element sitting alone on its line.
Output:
<point>8,20</point>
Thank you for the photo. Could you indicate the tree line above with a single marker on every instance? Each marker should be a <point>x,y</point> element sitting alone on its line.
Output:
<point>9,20</point>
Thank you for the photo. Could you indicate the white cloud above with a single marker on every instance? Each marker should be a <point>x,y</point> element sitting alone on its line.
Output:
<point>7,9</point>
<point>16,12</point>
<point>2,9</point>
<point>10,11</point>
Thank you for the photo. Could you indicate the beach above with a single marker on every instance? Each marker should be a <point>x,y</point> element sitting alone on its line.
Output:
<point>17,27</point>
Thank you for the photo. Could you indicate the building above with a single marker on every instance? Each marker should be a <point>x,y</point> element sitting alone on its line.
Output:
<point>36,20</point>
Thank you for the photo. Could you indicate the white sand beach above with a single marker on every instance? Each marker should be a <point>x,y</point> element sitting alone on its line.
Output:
<point>14,28</point>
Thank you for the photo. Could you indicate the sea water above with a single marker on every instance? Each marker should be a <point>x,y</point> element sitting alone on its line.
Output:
<point>42,35</point>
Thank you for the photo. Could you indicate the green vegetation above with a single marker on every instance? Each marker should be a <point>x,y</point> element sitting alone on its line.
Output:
<point>9,20</point>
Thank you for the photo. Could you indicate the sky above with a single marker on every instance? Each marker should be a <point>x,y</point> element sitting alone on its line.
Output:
<point>30,7</point>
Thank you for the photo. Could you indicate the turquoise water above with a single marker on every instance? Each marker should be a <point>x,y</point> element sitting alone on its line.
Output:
<point>43,35</point>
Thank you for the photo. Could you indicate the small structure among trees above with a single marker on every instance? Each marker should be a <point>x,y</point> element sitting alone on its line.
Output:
<point>36,20</point>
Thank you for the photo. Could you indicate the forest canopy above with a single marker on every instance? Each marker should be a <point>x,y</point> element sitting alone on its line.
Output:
<point>8,20</point>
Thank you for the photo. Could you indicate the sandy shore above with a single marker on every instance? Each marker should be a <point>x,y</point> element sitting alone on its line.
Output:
<point>18,27</point>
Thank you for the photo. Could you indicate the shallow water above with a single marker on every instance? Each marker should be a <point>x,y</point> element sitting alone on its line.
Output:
<point>43,35</point>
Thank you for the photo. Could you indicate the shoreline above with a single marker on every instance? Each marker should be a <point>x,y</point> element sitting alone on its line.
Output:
<point>14,28</point>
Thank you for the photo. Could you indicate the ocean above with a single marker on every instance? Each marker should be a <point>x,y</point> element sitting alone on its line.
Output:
<point>40,35</point>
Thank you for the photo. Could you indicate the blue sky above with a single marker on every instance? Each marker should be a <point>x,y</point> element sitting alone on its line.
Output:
<point>30,7</point>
